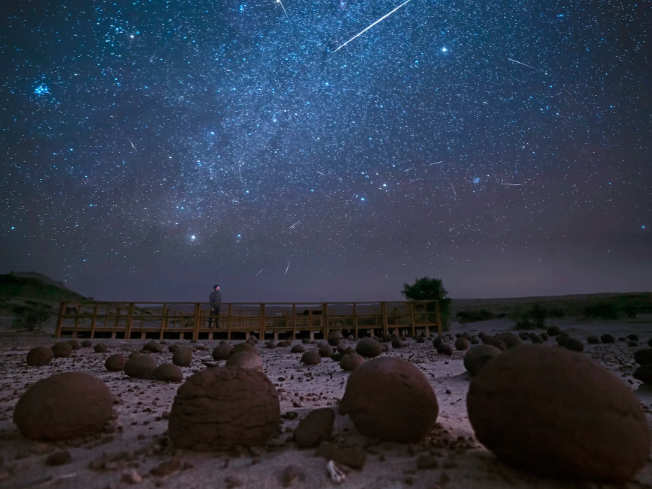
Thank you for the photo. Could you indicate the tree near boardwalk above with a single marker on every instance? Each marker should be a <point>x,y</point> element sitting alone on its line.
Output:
<point>427,288</point>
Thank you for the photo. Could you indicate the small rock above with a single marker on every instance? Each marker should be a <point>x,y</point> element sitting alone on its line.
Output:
<point>182,357</point>
<point>311,358</point>
<point>315,428</point>
<point>115,363</point>
<point>39,356</point>
<point>62,349</point>
<point>100,348</point>
<point>168,372</point>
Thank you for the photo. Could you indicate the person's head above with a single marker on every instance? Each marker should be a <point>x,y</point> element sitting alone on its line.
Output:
<point>216,287</point>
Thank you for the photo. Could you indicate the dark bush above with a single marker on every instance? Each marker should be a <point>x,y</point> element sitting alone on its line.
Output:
<point>32,316</point>
<point>601,310</point>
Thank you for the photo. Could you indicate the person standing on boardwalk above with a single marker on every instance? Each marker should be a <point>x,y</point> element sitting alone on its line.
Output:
<point>215,300</point>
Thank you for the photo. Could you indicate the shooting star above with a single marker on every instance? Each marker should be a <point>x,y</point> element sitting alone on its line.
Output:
<point>511,184</point>
<point>321,173</point>
<point>453,189</point>
<point>437,163</point>
<point>288,267</point>
<point>286,14</point>
<point>295,224</point>
<point>258,273</point>
<point>411,168</point>
<point>379,20</point>
<point>524,64</point>
<point>132,144</point>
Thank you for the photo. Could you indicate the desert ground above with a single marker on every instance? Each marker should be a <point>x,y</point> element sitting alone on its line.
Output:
<point>136,440</point>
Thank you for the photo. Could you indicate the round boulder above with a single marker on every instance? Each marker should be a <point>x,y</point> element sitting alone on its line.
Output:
<point>221,408</point>
<point>461,343</point>
<point>270,344</point>
<point>437,342</point>
<point>445,349</point>
<point>592,340</point>
<point>350,362</point>
<point>342,346</point>
<point>325,350</point>
<point>297,349</point>
<point>573,344</point>
<point>315,428</point>
<point>644,374</point>
<point>168,372</point>
<point>115,363</point>
<point>311,357</point>
<point>75,344</point>
<point>64,406</point>
<point>552,431</point>
<point>39,356</point>
<point>369,348</point>
<point>510,340</point>
<point>245,359</point>
<point>221,351</point>
<point>334,337</point>
<point>62,349</point>
<point>607,338</point>
<point>140,367</point>
<point>391,400</point>
<point>493,341</point>
<point>182,357</point>
<point>87,343</point>
<point>553,330</point>
<point>100,348</point>
<point>240,347</point>
<point>644,356</point>
<point>153,347</point>
<point>478,356</point>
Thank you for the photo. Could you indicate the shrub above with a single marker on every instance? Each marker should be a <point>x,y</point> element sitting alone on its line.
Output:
<point>430,289</point>
<point>477,315</point>
<point>31,316</point>
<point>602,310</point>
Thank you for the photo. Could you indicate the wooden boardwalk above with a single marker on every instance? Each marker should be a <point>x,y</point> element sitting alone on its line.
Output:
<point>129,320</point>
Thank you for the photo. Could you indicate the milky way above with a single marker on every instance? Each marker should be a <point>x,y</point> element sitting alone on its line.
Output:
<point>154,148</point>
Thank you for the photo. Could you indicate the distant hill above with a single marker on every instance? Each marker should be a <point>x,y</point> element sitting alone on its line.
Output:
<point>32,285</point>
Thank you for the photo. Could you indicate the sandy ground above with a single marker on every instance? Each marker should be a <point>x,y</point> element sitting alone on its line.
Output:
<point>137,438</point>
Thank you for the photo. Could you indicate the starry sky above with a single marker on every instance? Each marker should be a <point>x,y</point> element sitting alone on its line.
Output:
<point>153,148</point>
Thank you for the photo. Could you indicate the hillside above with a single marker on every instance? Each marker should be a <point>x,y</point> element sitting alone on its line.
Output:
<point>32,285</point>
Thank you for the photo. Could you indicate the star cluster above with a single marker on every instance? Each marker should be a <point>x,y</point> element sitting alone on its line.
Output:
<point>152,148</point>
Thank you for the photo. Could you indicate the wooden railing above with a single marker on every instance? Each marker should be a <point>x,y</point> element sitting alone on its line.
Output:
<point>168,319</point>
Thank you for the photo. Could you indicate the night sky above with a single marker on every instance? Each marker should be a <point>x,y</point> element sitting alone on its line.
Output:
<point>151,149</point>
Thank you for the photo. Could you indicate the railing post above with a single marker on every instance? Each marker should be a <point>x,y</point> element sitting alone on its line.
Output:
<point>228,332</point>
<point>439,328</point>
<point>195,326</point>
<point>324,315</point>
<point>57,330</point>
<point>383,311</point>
<point>262,322</point>
<point>130,319</point>
<point>164,320</point>
<point>294,322</point>
<point>355,319</point>
<point>412,318</point>
<point>96,308</point>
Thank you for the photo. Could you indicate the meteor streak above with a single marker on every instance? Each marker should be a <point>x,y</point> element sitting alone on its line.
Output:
<point>288,267</point>
<point>132,144</point>
<point>258,273</point>
<point>379,20</point>
<point>295,224</point>
<point>283,6</point>
<point>514,61</point>
<point>437,163</point>
<point>453,189</point>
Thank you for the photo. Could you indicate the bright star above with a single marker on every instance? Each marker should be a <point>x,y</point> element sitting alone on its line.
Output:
<point>443,50</point>
<point>192,238</point>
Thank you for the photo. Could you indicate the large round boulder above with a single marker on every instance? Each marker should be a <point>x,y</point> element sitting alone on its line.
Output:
<point>644,374</point>
<point>140,367</point>
<point>573,344</point>
<point>100,348</point>
<point>39,356</point>
<point>342,346</point>
<point>62,349</point>
<point>445,349</point>
<point>182,357</point>
<point>311,357</point>
<point>221,408</point>
<point>607,338</point>
<point>334,337</point>
<point>510,339</point>
<point>68,405</point>
<point>325,350</point>
<point>297,349</point>
<point>115,363</point>
<point>559,413</point>
<point>168,372</point>
<point>369,348</point>
<point>644,356</point>
<point>245,359</point>
<point>461,344</point>
<point>478,356</point>
<point>222,351</point>
<point>349,362</point>
<point>391,400</point>
<point>75,344</point>
<point>315,428</point>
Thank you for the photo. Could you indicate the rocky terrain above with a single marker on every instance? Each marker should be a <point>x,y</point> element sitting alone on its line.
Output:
<point>134,448</point>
